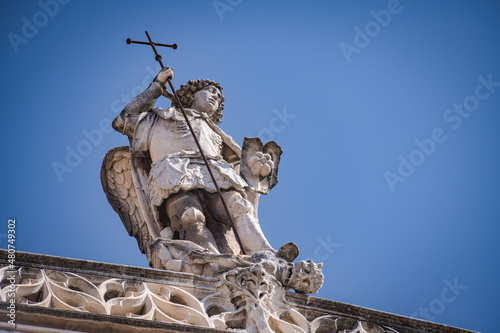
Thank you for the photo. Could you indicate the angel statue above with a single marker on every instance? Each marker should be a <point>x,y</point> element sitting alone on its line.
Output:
<point>162,189</point>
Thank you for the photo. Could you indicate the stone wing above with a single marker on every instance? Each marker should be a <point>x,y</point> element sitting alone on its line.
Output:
<point>118,184</point>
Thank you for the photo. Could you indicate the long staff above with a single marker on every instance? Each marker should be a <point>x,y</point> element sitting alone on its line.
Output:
<point>158,58</point>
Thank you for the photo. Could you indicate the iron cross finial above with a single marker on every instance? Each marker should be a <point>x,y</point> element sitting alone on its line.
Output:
<point>157,55</point>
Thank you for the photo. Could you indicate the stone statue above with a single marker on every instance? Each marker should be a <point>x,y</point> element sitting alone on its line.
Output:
<point>163,192</point>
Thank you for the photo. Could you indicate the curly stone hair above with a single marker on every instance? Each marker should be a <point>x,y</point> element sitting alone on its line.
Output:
<point>318,278</point>
<point>187,91</point>
<point>316,275</point>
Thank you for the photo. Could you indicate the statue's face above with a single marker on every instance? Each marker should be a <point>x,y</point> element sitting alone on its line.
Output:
<point>207,100</point>
<point>300,276</point>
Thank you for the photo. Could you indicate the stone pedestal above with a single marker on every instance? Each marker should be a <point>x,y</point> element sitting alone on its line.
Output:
<point>55,294</point>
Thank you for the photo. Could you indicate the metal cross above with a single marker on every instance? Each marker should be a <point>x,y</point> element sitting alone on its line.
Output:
<point>158,58</point>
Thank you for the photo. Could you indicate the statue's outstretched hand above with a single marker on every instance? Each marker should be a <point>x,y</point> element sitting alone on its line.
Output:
<point>164,74</point>
<point>261,164</point>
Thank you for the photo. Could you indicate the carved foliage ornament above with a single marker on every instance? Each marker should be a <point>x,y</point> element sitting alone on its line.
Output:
<point>246,298</point>
<point>144,300</point>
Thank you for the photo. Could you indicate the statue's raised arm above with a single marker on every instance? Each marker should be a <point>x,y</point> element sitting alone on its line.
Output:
<point>127,120</point>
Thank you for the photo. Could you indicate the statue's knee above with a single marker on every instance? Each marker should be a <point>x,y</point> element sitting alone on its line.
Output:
<point>192,216</point>
<point>241,207</point>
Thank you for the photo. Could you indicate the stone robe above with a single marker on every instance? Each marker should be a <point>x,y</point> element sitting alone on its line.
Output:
<point>164,155</point>
<point>177,164</point>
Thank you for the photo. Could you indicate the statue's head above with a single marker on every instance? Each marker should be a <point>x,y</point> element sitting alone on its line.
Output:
<point>304,277</point>
<point>187,95</point>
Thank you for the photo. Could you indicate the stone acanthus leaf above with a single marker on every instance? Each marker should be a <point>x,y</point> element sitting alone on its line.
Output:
<point>254,300</point>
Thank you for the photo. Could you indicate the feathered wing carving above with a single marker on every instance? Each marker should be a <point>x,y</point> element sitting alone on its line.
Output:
<point>118,184</point>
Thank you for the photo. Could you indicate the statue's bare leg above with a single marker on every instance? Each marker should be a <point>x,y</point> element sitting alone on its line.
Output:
<point>186,216</point>
<point>246,224</point>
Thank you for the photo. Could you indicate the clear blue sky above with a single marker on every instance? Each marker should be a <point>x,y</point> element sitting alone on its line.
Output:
<point>346,88</point>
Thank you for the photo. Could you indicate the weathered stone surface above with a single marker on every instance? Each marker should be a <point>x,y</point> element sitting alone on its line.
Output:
<point>164,187</point>
<point>289,251</point>
<point>78,295</point>
<point>160,185</point>
<point>184,256</point>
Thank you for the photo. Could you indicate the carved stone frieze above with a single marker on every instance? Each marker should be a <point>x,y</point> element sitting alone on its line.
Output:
<point>73,295</point>
<point>247,298</point>
<point>118,297</point>
<point>346,325</point>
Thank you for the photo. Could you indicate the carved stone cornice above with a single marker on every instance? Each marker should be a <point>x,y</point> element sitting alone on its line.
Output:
<point>80,295</point>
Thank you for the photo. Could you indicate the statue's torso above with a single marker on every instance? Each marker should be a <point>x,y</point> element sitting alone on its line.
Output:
<point>177,164</point>
<point>172,136</point>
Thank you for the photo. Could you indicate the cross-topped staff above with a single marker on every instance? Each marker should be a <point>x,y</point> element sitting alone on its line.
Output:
<point>158,58</point>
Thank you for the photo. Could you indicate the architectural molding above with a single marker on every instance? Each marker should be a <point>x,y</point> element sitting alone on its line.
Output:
<point>76,295</point>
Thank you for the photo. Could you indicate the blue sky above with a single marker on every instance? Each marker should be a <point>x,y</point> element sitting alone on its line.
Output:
<point>387,113</point>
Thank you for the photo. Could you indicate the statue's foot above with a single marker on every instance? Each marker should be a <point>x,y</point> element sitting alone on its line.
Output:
<point>289,251</point>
